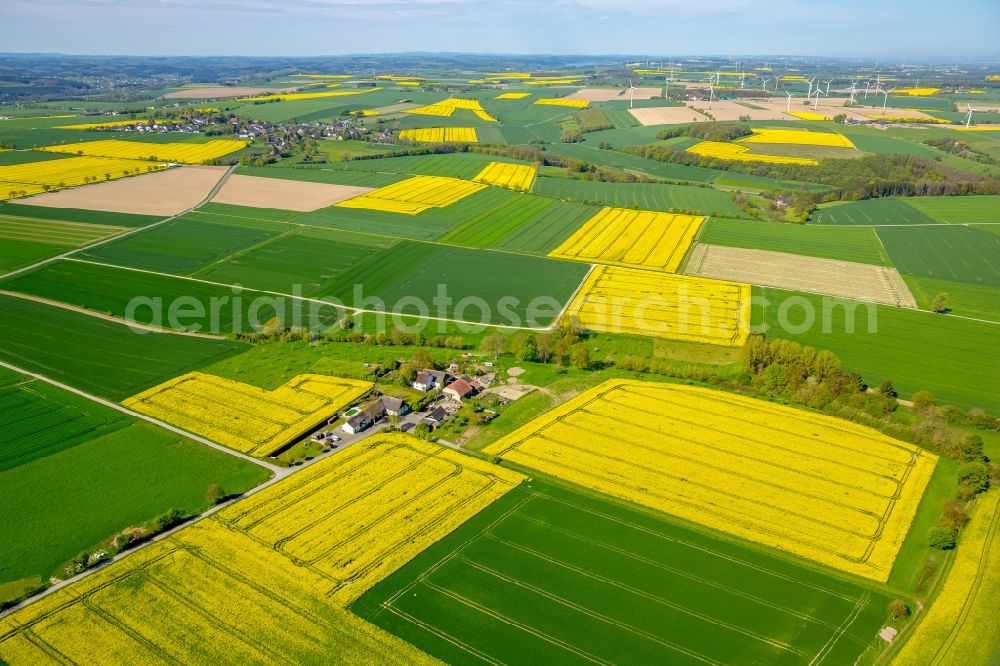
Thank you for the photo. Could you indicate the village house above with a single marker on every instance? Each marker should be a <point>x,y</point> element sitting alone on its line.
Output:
<point>364,419</point>
<point>394,406</point>
<point>437,416</point>
<point>428,380</point>
<point>459,389</point>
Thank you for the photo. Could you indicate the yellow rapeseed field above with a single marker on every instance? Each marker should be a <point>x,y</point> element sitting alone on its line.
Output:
<point>440,135</point>
<point>120,123</point>
<point>244,417</point>
<point>961,626</point>
<point>512,95</point>
<point>828,490</point>
<point>564,81</point>
<point>362,514</point>
<point>897,118</point>
<point>35,177</point>
<point>734,152</point>
<point>562,101</point>
<point>191,153</point>
<point>625,237</point>
<point>323,76</point>
<point>268,579</point>
<point>916,92</point>
<point>10,190</point>
<point>508,75</point>
<point>289,97</point>
<point>445,108</point>
<point>415,195</point>
<point>675,307</point>
<point>797,137</point>
<point>807,115</point>
<point>503,174</point>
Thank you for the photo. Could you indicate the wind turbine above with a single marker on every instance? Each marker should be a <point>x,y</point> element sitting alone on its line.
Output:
<point>763,82</point>
<point>788,106</point>
<point>743,78</point>
<point>631,94</point>
<point>711,96</point>
<point>827,93</point>
<point>811,81</point>
<point>886,100</point>
<point>816,104</point>
<point>854,90</point>
<point>968,116</point>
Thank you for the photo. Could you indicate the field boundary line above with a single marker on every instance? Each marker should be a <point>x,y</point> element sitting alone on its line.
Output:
<point>278,471</point>
<point>100,315</point>
<point>138,230</point>
<point>308,299</point>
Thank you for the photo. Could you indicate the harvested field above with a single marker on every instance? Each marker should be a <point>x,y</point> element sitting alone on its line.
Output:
<point>667,115</point>
<point>284,194</point>
<point>600,94</point>
<point>163,193</point>
<point>866,282</point>
<point>214,92</point>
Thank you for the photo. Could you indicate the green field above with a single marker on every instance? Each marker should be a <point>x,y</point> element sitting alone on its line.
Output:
<point>959,210</point>
<point>525,223</point>
<point>411,270</point>
<point>334,175</point>
<point>871,212</point>
<point>966,300</point>
<point>77,215</point>
<point>955,359</point>
<point>428,225</point>
<point>19,253</point>
<point>550,575</point>
<point>99,356</point>
<point>186,244</point>
<point>453,165</point>
<point>945,252</point>
<point>38,420</point>
<point>846,244</point>
<point>303,256</point>
<point>109,290</point>
<point>59,506</point>
<point>646,196</point>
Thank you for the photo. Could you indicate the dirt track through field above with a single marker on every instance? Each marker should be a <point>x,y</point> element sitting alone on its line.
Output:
<point>846,279</point>
<point>162,193</point>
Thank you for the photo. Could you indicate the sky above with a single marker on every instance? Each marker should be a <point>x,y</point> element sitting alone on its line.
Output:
<point>924,30</point>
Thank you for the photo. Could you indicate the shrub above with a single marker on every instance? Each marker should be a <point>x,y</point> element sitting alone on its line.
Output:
<point>941,538</point>
<point>974,476</point>
<point>898,609</point>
